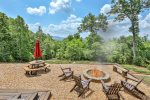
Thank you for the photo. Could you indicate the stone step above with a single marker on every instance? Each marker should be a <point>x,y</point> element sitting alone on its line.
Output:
<point>33,96</point>
<point>24,95</point>
<point>17,96</point>
<point>45,96</point>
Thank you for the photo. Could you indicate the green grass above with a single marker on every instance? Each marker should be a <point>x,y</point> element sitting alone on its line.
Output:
<point>137,69</point>
<point>146,79</point>
<point>71,62</point>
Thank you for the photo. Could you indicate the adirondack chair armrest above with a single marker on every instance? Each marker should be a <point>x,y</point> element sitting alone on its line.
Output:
<point>105,87</point>
<point>89,80</point>
<point>121,96</point>
<point>139,82</point>
<point>128,78</point>
<point>102,82</point>
<point>69,72</point>
<point>72,72</point>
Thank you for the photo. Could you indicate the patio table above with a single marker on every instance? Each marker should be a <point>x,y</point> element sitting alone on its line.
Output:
<point>37,63</point>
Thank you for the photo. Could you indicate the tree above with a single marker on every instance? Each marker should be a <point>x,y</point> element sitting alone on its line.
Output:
<point>92,38</point>
<point>5,39</point>
<point>74,50</point>
<point>101,22</point>
<point>39,32</point>
<point>70,37</point>
<point>77,35</point>
<point>97,51</point>
<point>46,44</point>
<point>47,50</point>
<point>130,9</point>
<point>92,24</point>
<point>21,44</point>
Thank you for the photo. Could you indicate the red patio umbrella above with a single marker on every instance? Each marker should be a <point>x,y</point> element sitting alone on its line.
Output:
<point>37,51</point>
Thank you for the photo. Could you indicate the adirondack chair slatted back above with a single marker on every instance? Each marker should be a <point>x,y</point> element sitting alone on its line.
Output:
<point>63,70</point>
<point>114,88</point>
<point>134,90</point>
<point>77,80</point>
<point>127,85</point>
<point>136,80</point>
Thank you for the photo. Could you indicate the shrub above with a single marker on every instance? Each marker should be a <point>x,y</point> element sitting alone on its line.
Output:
<point>11,59</point>
<point>139,61</point>
<point>148,67</point>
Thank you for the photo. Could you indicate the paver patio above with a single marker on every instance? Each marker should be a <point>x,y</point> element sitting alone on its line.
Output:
<point>12,77</point>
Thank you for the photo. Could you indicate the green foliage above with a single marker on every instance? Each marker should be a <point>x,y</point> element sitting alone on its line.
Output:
<point>57,61</point>
<point>146,78</point>
<point>139,61</point>
<point>74,50</point>
<point>17,44</point>
<point>118,50</point>
<point>88,54</point>
<point>5,38</point>
<point>92,23</point>
<point>137,69</point>
<point>148,67</point>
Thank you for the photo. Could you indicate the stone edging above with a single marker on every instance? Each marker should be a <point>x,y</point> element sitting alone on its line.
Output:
<point>105,78</point>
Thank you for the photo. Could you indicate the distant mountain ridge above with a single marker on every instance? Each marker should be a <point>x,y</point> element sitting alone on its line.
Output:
<point>58,38</point>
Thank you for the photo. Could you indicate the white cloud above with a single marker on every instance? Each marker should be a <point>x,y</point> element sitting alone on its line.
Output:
<point>105,9</point>
<point>58,5</point>
<point>64,28</point>
<point>145,26</point>
<point>147,18</point>
<point>34,27</point>
<point>36,11</point>
<point>140,16</point>
<point>72,19</point>
<point>117,29</point>
<point>78,0</point>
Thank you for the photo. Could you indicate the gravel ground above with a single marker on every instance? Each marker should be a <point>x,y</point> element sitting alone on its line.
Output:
<point>12,76</point>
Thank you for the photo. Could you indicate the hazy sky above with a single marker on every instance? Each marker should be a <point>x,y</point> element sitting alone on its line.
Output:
<point>62,17</point>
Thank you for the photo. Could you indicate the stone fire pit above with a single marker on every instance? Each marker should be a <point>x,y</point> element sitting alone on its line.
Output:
<point>96,74</point>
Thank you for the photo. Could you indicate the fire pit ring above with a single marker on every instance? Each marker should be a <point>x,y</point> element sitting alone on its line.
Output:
<point>102,75</point>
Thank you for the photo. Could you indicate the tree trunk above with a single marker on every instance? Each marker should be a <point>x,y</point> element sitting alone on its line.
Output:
<point>133,30</point>
<point>134,46</point>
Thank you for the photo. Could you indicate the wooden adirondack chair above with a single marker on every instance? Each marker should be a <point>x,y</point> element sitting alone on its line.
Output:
<point>132,88</point>
<point>81,86</point>
<point>112,91</point>
<point>67,73</point>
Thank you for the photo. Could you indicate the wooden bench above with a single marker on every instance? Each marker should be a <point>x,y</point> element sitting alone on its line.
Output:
<point>30,71</point>
<point>123,72</point>
<point>46,67</point>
